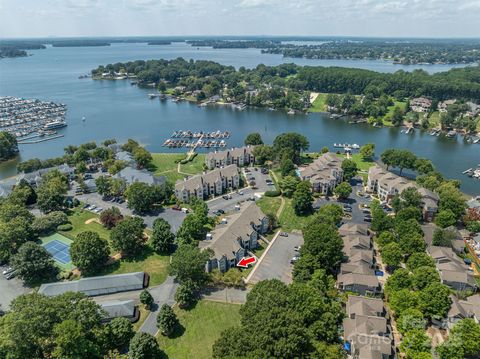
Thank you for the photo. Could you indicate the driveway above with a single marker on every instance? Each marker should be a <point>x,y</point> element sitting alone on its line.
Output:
<point>174,218</point>
<point>10,289</point>
<point>275,261</point>
<point>162,294</point>
<point>228,205</point>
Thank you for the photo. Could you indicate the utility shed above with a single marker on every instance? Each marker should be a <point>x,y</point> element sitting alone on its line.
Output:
<point>93,286</point>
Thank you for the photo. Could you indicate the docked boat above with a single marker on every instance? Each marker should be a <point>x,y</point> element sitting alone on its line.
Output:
<point>54,124</point>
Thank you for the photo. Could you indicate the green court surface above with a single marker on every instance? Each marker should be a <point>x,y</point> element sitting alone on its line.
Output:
<point>59,245</point>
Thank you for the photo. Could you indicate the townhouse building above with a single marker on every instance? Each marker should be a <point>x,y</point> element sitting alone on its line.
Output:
<point>240,156</point>
<point>324,173</point>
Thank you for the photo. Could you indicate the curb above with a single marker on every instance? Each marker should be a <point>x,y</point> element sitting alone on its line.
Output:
<point>262,256</point>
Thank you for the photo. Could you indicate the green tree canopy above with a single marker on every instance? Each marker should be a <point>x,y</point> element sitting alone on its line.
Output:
<point>33,263</point>
<point>127,236</point>
<point>188,264</point>
<point>162,237</point>
<point>349,168</point>
<point>302,198</point>
<point>343,190</point>
<point>253,139</point>
<point>166,320</point>
<point>89,252</point>
<point>144,346</point>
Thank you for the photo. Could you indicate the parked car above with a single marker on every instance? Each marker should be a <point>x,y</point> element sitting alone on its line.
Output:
<point>219,212</point>
<point>283,234</point>
<point>86,206</point>
<point>297,248</point>
<point>185,210</point>
<point>367,219</point>
<point>8,270</point>
<point>294,260</point>
<point>11,275</point>
<point>347,209</point>
<point>240,193</point>
<point>176,208</point>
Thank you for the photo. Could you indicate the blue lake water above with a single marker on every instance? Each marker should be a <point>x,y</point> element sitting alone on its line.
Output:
<point>117,109</point>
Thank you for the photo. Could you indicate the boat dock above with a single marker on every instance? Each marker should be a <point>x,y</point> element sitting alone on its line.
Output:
<point>197,139</point>
<point>200,134</point>
<point>352,146</point>
<point>31,142</point>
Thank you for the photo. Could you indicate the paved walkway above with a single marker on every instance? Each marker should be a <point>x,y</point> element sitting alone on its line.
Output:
<point>162,294</point>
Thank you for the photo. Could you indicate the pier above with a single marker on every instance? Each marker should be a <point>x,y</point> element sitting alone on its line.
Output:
<point>31,142</point>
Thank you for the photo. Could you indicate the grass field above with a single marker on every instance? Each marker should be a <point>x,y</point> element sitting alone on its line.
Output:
<point>361,164</point>
<point>434,119</point>
<point>319,105</point>
<point>390,109</point>
<point>289,220</point>
<point>269,204</point>
<point>166,164</point>
<point>200,328</point>
<point>77,218</point>
<point>148,261</point>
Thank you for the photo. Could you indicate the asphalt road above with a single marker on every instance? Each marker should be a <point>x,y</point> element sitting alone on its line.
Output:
<point>228,205</point>
<point>275,263</point>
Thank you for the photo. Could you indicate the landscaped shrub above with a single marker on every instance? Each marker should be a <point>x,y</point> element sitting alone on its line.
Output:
<point>272,193</point>
<point>65,227</point>
<point>48,224</point>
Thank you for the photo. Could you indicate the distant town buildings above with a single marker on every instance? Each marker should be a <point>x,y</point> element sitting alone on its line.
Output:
<point>235,237</point>
<point>212,183</point>
<point>324,173</point>
<point>387,185</point>
<point>241,156</point>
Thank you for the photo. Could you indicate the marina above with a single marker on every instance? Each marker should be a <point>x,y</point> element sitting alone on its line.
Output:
<point>353,146</point>
<point>25,118</point>
<point>190,134</point>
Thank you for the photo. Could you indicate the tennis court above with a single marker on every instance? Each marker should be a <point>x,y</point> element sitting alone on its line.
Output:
<point>59,247</point>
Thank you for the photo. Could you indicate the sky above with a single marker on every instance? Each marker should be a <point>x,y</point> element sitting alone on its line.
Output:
<point>377,18</point>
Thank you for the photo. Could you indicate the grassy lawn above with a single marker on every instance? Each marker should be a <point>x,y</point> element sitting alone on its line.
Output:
<point>200,327</point>
<point>77,218</point>
<point>148,261</point>
<point>195,166</point>
<point>269,204</point>
<point>434,119</point>
<point>289,220</point>
<point>361,164</point>
<point>390,109</point>
<point>319,105</point>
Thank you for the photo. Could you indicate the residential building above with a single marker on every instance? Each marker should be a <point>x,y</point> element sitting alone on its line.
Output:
<point>131,175</point>
<point>367,331</point>
<point>363,284</point>
<point>35,178</point>
<point>357,229</point>
<point>324,173</point>
<point>420,104</point>
<point>125,156</point>
<point>474,109</point>
<point>462,309</point>
<point>92,286</point>
<point>120,309</point>
<point>235,237</point>
<point>241,156</point>
<point>443,105</point>
<point>387,185</point>
<point>453,271</point>
<point>212,183</point>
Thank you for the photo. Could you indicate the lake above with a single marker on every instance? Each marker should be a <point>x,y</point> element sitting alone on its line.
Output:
<point>115,109</point>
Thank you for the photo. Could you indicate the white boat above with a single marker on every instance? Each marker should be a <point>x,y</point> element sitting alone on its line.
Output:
<point>54,124</point>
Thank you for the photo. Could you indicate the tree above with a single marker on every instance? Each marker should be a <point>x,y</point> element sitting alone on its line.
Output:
<point>111,217</point>
<point>89,252</point>
<point>33,263</point>
<point>388,157</point>
<point>104,185</point>
<point>324,150</point>
<point>8,146</point>
<point>253,139</point>
<point>162,237</point>
<point>329,213</point>
<point>186,296</point>
<point>420,259</point>
<point>451,199</point>
<point>289,185</point>
<point>291,141</point>
<point>51,194</point>
<point>467,332</point>
<point>350,169</point>
<point>367,151</point>
<point>385,238</point>
<point>445,218</point>
<point>302,198</point>
<point>14,233</point>
<point>392,255</point>
<point>424,276</point>
<point>166,320</point>
<point>71,342</point>
<point>414,342</point>
<point>144,346</point>
<point>188,264</point>
<point>402,300</point>
<point>424,166</point>
<point>287,167</point>
<point>263,153</point>
<point>117,333</point>
<point>142,197</point>
<point>343,190</point>
<point>434,300</point>
<point>142,157</point>
<point>23,194</point>
<point>146,298</point>
<point>191,230</point>
<point>397,117</point>
<point>410,319</point>
<point>127,236</point>
<point>400,279</point>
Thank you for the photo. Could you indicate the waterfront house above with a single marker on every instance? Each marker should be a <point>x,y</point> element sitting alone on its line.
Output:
<point>241,156</point>
<point>93,286</point>
<point>473,109</point>
<point>324,173</point>
<point>387,185</point>
<point>212,183</point>
<point>443,105</point>
<point>420,104</point>
<point>235,237</point>
<point>125,157</point>
<point>131,175</point>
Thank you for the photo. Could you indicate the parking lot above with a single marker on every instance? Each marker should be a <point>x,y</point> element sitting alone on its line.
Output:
<point>10,289</point>
<point>174,218</point>
<point>261,186</point>
<point>276,261</point>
